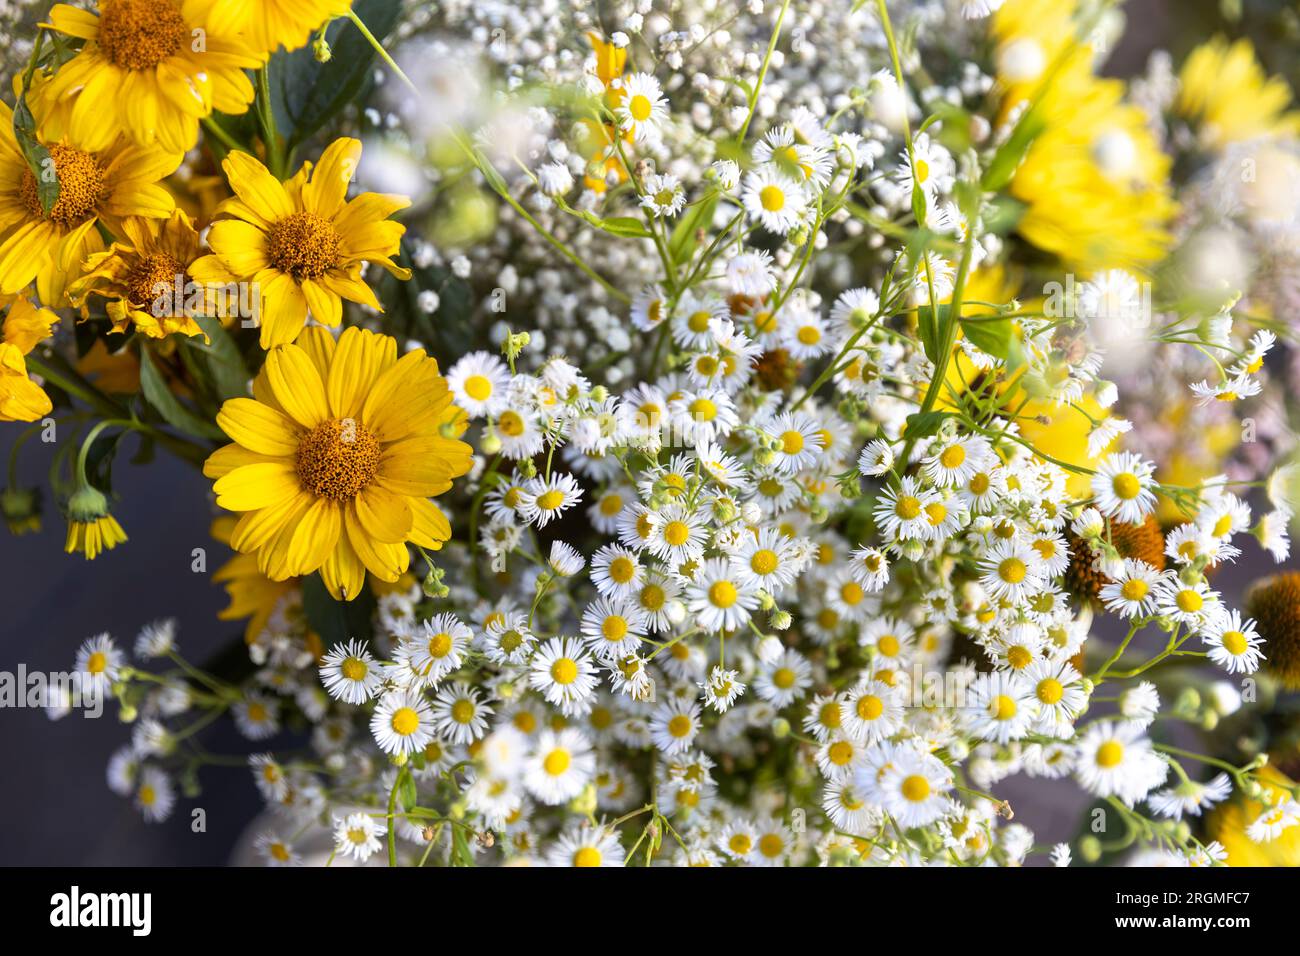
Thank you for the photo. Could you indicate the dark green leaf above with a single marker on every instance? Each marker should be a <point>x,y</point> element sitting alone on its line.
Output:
<point>221,358</point>
<point>38,157</point>
<point>306,94</point>
<point>167,405</point>
<point>923,424</point>
<point>991,335</point>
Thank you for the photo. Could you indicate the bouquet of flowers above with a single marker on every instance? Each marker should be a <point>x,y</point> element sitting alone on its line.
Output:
<point>725,433</point>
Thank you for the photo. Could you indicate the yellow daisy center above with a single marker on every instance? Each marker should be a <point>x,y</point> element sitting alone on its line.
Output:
<point>870,707</point>
<point>440,645</point>
<point>652,597</point>
<point>916,788</point>
<point>772,198</point>
<point>621,570</point>
<point>337,459</point>
<point>679,726</point>
<point>1234,642</point>
<point>550,500</point>
<point>840,753</point>
<point>1126,486</point>
<point>304,245</point>
<point>587,856</point>
<point>791,442</point>
<point>676,533</point>
<point>511,424</point>
<point>556,762</point>
<point>405,721</point>
<point>564,671</point>
<point>354,669</point>
<point>1134,589</point>
<point>97,663</point>
<point>1189,602</point>
<point>952,456</point>
<point>640,107</point>
<point>81,187</point>
<point>722,594</point>
<point>763,562</point>
<point>1050,690</point>
<point>1110,754</point>
<point>907,507</point>
<point>140,34</point>
<point>478,387</point>
<point>614,628</point>
<point>1012,570</point>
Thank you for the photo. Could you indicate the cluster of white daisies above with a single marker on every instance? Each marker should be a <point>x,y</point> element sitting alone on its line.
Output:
<point>733,612</point>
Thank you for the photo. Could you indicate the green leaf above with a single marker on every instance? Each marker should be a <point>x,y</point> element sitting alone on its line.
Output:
<point>682,242</point>
<point>336,622</point>
<point>306,94</point>
<point>406,791</point>
<point>918,204</point>
<point>930,329</point>
<point>991,335</point>
<point>221,359</point>
<point>1011,154</point>
<point>923,424</point>
<point>627,227</point>
<point>39,160</point>
<point>157,394</point>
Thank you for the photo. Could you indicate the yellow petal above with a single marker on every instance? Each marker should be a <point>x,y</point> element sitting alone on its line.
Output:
<point>262,485</point>
<point>384,515</point>
<point>297,385</point>
<point>325,306</point>
<point>258,427</point>
<point>226,459</point>
<point>314,539</point>
<point>385,561</point>
<point>255,185</point>
<point>319,346</point>
<point>360,358</point>
<point>240,245</point>
<point>430,527</point>
<point>328,188</point>
<point>343,573</point>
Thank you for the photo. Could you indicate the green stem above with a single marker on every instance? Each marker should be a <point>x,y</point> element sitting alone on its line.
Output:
<point>379,49</point>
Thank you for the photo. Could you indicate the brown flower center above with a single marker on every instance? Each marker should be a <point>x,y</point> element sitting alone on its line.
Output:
<point>140,34</point>
<point>151,272</point>
<point>337,459</point>
<point>304,245</point>
<point>81,187</point>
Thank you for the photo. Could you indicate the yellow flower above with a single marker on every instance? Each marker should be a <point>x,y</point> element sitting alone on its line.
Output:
<point>1229,821</point>
<point>302,242</point>
<point>94,186</point>
<point>149,68</point>
<point>252,594</point>
<point>1225,90</point>
<point>21,399</point>
<point>336,457</point>
<point>264,25</point>
<point>143,276</point>
<point>1094,181</point>
<point>91,529</point>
